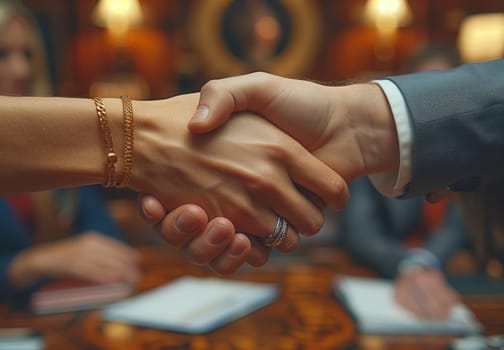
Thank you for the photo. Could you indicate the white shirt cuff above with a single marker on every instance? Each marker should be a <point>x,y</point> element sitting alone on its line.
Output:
<point>419,257</point>
<point>392,184</point>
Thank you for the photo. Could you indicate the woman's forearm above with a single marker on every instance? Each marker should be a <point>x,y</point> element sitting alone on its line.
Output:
<point>53,142</point>
<point>243,171</point>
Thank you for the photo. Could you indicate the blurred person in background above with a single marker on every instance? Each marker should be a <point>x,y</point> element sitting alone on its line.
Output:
<point>433,56</point>
<point>409,240</point>
<point>65,233</point>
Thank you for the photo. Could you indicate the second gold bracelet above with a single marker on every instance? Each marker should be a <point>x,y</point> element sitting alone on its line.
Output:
<point>128,140</point>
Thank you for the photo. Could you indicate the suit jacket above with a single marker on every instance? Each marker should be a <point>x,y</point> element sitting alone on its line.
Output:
<point>90,214</point>
<point>458,126</point>
<point>374,228</point>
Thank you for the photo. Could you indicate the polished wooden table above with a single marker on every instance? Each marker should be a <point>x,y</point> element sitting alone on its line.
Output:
<point>306,316</point>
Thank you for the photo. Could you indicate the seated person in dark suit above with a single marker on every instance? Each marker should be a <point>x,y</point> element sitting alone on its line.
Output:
<point>409,240</point>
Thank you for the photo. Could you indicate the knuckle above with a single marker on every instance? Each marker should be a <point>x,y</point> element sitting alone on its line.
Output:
<point>263,180</point>
<point>218,91</point>
<point>210,86</point>
<point>314,224</point>
<point>278,148</point>
<point>338,192</point>
<point>259,75</point>
<point>289,244</point>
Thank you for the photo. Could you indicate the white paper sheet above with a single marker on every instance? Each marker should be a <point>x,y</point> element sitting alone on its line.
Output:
<point>372,303</point>
<point>193,305</point>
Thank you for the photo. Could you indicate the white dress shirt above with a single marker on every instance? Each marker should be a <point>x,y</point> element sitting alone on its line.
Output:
<point>392,184</point>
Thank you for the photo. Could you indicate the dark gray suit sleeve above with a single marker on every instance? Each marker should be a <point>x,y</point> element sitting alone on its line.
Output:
<point>458,126</point>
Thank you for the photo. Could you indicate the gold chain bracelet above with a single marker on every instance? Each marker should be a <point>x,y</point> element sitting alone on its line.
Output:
<point>128,140</point>
<point>111,156</point>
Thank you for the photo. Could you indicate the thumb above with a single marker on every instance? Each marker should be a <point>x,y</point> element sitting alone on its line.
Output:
<point>151,208</point>
<point>220,98</point>
<point>214,109</point>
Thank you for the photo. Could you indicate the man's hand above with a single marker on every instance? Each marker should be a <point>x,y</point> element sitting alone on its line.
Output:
<point>350,128</point>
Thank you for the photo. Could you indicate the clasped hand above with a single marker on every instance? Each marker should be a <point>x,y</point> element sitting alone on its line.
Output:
<point>247,171</point>
<point>330,122</point>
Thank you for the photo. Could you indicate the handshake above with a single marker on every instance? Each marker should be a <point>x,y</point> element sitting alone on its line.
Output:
<point>251,161</point>
<point>270,177</point>
<point>318,139</point>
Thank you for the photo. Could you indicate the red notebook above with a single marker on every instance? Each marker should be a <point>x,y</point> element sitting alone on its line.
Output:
<point>73,295</point>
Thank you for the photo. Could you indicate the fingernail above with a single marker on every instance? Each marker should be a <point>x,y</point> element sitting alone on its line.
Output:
<point>201,115</point>
<point>216,236</point>
<point>185,224</point>
<point>144,213</point>
<point>236,249</point>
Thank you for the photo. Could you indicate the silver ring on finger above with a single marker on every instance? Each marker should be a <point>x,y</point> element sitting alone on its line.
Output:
<point>275,238</point>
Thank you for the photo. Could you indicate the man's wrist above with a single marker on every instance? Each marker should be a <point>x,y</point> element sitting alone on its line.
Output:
<point>376,126</point>
<point>417,259</point>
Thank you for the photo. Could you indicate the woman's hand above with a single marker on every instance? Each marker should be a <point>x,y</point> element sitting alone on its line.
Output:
<point>202,242</point>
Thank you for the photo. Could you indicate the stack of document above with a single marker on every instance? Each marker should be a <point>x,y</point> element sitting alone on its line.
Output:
<point>75,295</point>
<point>372,303</point>
<point>192,305</point>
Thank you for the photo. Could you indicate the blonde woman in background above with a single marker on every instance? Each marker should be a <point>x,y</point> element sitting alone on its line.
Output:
<point>24,66</point>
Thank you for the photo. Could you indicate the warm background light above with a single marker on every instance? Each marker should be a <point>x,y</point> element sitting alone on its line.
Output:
<point>118,15</point>
<point>482,37</point>
<point>387,15</point>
